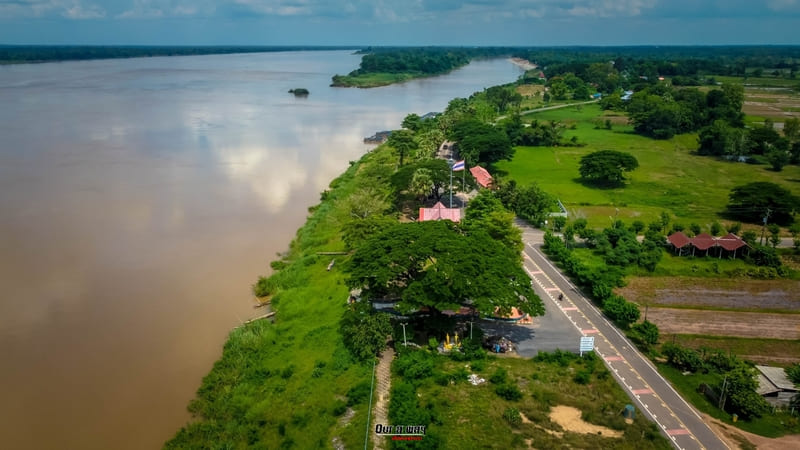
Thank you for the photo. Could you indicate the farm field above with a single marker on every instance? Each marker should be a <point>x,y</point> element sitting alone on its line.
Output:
<point>776,352</point>
<point>670,176</point>
<point>725,323</point>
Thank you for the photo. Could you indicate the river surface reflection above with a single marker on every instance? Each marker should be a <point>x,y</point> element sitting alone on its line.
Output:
<point>139,200</point>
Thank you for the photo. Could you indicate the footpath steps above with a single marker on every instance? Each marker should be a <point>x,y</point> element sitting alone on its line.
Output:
<point>382,388</point>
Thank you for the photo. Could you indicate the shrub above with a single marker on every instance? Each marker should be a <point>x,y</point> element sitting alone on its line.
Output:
<point>646,333</point>
<point>499,376</point>
<point>478,366</point>
<point>682,358</point>
<point>508,392</point>
<point>339,408</point>
<point>264,287</point>
<point>358,393</point>
<point>414,365</point>
<point>287,372</point>
<point>582,376</point>
<point>512,416</point>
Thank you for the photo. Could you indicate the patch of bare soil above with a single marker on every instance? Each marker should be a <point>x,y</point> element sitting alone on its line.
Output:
<point>570,419</point>
<point>714,293</point>
<point>733,436</point>
<point>529,90</point>
<point>726,323</point>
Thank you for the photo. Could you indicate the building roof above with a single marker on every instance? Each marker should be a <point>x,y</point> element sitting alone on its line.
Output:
<point>439,212</point>
<point>731,242</point>
<point>481,175</point>
<point>678,239</point>
<point>777,376</point>
<point>703,241</point>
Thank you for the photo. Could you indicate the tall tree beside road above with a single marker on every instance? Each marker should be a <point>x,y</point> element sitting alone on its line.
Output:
<point>434,265</point>
<point>752,201</point>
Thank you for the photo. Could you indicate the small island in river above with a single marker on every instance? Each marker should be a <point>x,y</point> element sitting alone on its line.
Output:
<point>299,92</point>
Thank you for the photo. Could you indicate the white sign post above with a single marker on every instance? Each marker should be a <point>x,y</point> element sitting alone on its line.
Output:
<point>587,344</point>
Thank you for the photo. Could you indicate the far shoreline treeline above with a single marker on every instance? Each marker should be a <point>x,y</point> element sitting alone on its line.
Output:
<point>23,54</point>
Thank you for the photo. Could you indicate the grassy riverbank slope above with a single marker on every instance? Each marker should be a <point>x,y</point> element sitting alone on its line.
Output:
<point>285,384</point>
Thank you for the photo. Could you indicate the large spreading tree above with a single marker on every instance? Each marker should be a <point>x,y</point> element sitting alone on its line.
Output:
<point>435,265</point>
<point>607,166</point>
<point>753,201</point>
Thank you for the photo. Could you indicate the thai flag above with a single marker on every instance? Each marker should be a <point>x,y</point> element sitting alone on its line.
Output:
<point>459,165</point>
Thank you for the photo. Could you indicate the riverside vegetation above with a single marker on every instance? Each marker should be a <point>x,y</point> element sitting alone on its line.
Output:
<point>303,383</point>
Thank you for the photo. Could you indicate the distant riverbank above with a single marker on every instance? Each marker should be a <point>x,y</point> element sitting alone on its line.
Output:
<point>27,54</point>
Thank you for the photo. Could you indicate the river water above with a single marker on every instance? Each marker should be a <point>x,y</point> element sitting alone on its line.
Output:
<point>139,200</point>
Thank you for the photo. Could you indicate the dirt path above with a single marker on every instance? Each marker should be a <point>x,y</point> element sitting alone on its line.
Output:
<point>570,419</point>
<point>384,385</point>
<point>725,323</point>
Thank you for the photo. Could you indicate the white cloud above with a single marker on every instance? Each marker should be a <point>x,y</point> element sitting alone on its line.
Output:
<point>154,9</point>
<point>783,5</point>
<point>78,11</point>
<point>70,9</point>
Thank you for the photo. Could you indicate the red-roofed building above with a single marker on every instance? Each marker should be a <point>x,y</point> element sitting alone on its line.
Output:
<point>703,241</point>
<point>729,243</point>
<point>439,212</point>
<point>679,241</point>
<point>482,176</point>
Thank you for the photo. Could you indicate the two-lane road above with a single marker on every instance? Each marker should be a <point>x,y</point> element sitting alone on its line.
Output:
<point>641,381</point>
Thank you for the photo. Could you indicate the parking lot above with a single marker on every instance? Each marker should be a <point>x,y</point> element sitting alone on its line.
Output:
<point>547,333</point>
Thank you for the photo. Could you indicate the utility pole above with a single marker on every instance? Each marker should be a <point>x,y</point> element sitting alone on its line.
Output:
<point>764,227</point>
<point>722,399</point>
<point>470,329</point>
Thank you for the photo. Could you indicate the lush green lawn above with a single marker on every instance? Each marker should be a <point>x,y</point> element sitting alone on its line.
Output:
<point>669,178</point>
<point>770,425</point>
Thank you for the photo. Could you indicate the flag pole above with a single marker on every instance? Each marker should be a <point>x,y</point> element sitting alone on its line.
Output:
<point>452,162</point>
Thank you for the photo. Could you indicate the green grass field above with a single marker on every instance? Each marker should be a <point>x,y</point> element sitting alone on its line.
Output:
<point>670,177</point>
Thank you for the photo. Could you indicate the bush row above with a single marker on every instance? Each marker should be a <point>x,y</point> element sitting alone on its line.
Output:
<point>600,282</point>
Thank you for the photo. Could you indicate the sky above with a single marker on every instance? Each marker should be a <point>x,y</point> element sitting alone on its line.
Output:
<point>400,22</point>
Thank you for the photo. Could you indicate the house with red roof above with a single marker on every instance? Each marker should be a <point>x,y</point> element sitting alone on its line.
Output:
<point>440,212</point>
<point>482,176</point>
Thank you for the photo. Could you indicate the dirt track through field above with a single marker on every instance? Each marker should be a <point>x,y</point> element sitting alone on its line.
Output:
<point>725,323</point>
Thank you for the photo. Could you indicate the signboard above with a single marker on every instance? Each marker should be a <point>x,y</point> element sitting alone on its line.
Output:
<point>587,344</point>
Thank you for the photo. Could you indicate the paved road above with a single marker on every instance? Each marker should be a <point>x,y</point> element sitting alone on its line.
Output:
<point>676,419</point>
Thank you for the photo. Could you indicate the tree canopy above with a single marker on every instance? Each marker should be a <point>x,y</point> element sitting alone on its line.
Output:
<point>403,142</point>
<point>751,201</point>
<point>607,166</point>
<point>432,264</point>
<point>481,142</point>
